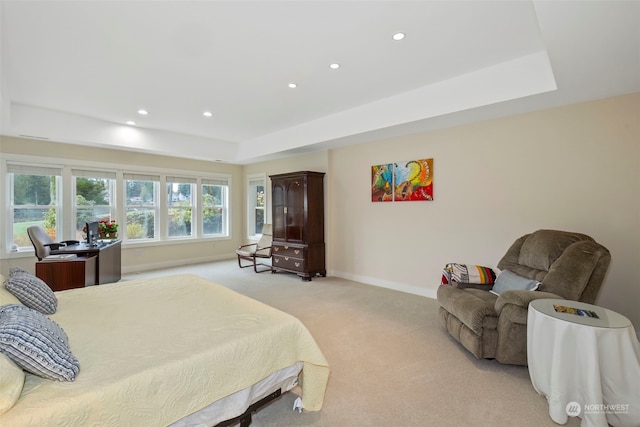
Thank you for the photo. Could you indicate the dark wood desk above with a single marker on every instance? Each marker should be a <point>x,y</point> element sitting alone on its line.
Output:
<point>108,259</point>
<point>68,274</point>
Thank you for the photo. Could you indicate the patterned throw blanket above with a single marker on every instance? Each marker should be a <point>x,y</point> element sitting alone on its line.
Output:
<point>463,273</point>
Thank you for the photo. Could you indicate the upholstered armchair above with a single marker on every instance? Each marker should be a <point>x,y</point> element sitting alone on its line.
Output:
<point>256,252</point>
<point>566,265</point>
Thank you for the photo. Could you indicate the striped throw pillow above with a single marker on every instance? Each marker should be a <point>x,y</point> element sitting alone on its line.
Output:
<point>31,291</point>
<point>36,343</point>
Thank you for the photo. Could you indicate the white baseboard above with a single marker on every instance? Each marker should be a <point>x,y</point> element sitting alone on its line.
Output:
<point>178,263</point>
<point>396,286</point>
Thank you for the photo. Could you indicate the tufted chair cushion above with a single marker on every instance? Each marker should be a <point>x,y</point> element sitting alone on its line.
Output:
<point>540,249</point>
<point>571,265</point>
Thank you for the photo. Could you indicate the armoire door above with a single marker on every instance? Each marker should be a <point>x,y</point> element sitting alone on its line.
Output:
<point>278,192</point>
<point>294,210</point>
<point>298,224</point>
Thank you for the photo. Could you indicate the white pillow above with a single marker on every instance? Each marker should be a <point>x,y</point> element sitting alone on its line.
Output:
<point>508,280</point>
<point>11,383</point>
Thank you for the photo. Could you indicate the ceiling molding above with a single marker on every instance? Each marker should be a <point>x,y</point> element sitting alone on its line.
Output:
<point>78,75</point>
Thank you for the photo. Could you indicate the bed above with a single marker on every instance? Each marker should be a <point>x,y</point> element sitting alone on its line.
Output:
<point>176,350</point>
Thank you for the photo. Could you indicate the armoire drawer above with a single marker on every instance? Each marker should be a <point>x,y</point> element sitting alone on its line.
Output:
<point>289,263</point>
<point>288,250</point>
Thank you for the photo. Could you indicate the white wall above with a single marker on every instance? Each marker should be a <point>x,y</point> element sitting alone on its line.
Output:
<point>572,168</point>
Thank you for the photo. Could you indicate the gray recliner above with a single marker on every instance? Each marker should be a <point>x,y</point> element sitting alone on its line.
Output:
<point>568,265</point>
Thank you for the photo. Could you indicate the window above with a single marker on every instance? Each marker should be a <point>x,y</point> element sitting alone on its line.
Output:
<point>93,198</point>
<point>150,205</point>
<point>34,200</point>
<point>180,193</point>
<point>256,202</point>
<point>215,202</point>
<point>141,206</point>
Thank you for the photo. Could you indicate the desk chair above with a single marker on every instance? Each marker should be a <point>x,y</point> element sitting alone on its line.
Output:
<point>43,243</point>
<point>253,251</point>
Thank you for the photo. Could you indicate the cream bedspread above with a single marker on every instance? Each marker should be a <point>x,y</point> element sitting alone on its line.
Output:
<point>155,350</point>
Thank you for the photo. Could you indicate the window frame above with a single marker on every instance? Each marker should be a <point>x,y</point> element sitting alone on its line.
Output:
<point>65,200</point>
<point>95,174</point>
<point>155,206</point>
<point>193,206</point>
<point>253,182</point>
<point>17,168</point>
<point>224,206</point>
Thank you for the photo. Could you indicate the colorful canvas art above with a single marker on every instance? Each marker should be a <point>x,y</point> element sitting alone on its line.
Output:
<point>382,183</point>
<point>402,181</point>
<point>413,180</point>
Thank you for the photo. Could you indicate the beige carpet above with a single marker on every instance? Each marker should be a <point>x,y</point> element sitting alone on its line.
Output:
<point>392,363</point>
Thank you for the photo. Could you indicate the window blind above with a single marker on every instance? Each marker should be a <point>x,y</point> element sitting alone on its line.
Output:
<point>218,181</point>
<point>93,174</point>
<point>180,180</point>
<point>140,177</point>
<point>33,170</point>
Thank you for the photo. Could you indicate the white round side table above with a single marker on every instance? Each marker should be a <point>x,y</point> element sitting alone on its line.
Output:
<point>585,360</point>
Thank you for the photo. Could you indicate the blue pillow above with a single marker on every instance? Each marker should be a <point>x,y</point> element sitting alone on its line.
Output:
<point>31,291</point>
<point>508,280</point>
<point>36,343</point>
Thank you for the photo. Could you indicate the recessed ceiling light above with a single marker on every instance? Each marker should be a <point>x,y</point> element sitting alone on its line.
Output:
<point>398,36</point>
<point>131,122</point>
<point>334,66</point>
<point>143,112</point>
<point>207,114</point>
<point>293,85</point>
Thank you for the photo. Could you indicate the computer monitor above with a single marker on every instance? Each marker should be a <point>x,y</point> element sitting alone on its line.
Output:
<point>92,233</point>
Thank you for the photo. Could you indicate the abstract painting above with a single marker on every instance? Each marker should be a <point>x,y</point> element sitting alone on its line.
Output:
<point>382,183</point>
<point>402,181</point>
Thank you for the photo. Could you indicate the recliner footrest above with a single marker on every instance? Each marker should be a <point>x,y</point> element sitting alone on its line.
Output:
<point>475,311</point>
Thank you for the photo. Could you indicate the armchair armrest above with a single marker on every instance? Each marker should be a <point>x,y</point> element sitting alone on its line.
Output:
<point>55,246</point>
<point>520,298</point>
<point>461,285</point>
<point>263,252</point>
<point>513,305</point>
<point>248,250</point>
<point>247,245</point>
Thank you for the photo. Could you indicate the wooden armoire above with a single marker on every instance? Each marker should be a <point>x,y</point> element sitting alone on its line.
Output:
<point>297,201</point>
